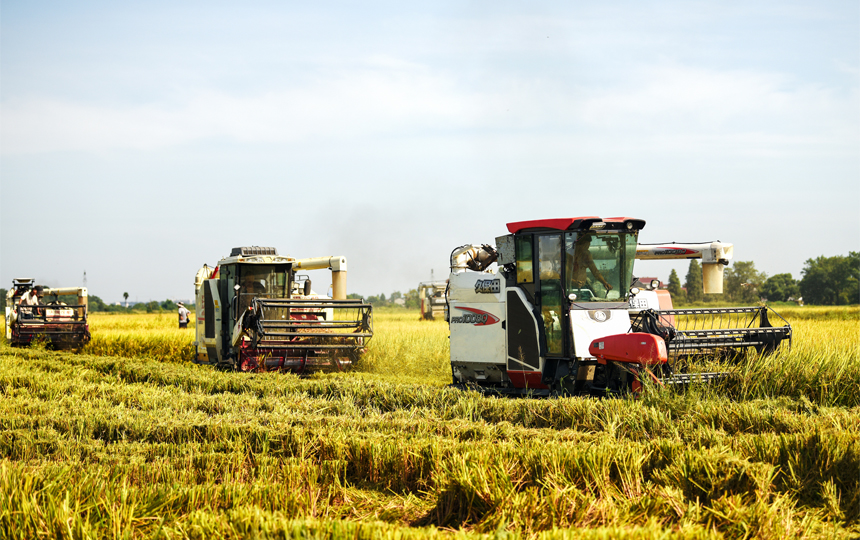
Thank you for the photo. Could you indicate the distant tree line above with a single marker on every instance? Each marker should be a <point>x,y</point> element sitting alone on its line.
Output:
<point>410,299</point>
<point>827,281</point>
<point>96,304</point>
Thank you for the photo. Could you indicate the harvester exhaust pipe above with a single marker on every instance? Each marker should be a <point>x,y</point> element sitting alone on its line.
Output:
<point>337,265</point>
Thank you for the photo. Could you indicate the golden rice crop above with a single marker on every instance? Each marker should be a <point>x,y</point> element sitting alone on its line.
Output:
<point>119,445</point>
<point>156,335</point>
<point>106,446</point>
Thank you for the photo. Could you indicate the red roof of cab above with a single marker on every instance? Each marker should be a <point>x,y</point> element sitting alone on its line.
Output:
<point>561,224</point>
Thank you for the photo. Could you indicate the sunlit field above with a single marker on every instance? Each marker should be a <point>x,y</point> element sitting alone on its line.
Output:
<point>129,439</point>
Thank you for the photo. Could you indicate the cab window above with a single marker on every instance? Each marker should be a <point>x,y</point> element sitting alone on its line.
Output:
<point>523,247</point>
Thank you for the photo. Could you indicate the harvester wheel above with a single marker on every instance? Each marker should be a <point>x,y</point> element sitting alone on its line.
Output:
<point>228,364</point>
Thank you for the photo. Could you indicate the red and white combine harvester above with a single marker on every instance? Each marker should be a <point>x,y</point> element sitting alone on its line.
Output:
<point>557,314</point>
<point>61,325</point>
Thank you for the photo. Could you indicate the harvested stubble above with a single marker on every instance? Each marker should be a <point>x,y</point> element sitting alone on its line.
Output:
<point>108,446</point>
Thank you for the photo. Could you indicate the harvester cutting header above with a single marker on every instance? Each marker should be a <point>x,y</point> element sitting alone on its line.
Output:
<point>557,314</point>
<point>255,313</point>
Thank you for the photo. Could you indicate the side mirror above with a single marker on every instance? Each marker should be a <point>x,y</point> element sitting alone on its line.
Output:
<point>307,289</point>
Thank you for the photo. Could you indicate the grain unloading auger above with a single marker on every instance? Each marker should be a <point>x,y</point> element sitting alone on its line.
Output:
<point>255,313</point>
<point>558,315</point>
<point>702,331</point>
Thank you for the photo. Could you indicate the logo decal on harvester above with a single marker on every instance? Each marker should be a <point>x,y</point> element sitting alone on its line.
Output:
<point>670,251</point>
<point>475,317</point>
<point>487,286</point>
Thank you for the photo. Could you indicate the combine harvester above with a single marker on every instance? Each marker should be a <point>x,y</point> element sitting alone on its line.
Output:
<point>255,313</point>
<point>62,326</point>
<point>433,299</point>
<point>557,316</point>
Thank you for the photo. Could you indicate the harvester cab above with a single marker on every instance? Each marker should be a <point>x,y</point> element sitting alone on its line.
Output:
<point>255,313</point>
<point>553,314</point>
<point>63,325</point>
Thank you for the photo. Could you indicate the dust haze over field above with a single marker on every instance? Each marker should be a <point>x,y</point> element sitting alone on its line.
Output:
<point>138,143</point>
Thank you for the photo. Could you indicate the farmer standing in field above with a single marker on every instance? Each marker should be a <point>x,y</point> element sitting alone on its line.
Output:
<point>183,315</point>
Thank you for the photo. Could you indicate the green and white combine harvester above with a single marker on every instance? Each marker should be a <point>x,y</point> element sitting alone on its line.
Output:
<point>256,313</point>
<point>550,310</point>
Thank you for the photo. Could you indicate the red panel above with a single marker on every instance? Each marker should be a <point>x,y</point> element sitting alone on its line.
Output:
<point>665,300</point>
<point>634,348</point>
<point>563,224</point>
<point>560,224</point>
<point>527,379</point>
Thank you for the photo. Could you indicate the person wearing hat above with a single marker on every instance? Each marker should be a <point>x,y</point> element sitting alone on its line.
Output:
<point>33,297</point>
<point>183,315</point>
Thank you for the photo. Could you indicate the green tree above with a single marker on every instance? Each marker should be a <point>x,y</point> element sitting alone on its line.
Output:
<point>94,303</point>
<point>3,298</point>
<point>742,282</point>
<point>780,287</point>
<point>693,282</point>
<point>168,305</point>
<point>412,301</point>
<point>153,306</point>
<point>125,297</point>
<point>832,280</point>
<point>678,295</point>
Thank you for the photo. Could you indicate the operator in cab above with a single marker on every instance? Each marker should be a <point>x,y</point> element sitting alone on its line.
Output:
<point>33,297</point>
<point>582,261</point>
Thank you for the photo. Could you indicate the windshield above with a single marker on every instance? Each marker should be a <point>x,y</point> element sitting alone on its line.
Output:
<point>262,281</point>
<point>599,265</point>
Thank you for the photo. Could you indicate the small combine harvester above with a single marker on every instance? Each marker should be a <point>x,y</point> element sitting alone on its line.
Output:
<point>432,297</point>
<point>255,313</point>
<point>60,325</point>
<point>556,314</point>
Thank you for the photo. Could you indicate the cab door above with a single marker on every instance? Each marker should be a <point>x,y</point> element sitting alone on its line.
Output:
<point>550,294</point>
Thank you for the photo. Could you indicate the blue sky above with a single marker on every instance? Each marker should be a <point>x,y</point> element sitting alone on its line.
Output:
<point>138,142</point>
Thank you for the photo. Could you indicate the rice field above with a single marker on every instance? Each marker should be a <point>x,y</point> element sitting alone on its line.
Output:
<point>128,439</point>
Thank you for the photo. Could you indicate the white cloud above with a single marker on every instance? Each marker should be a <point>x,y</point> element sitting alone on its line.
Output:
<point>673,107</point>
<point>392,96</point>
